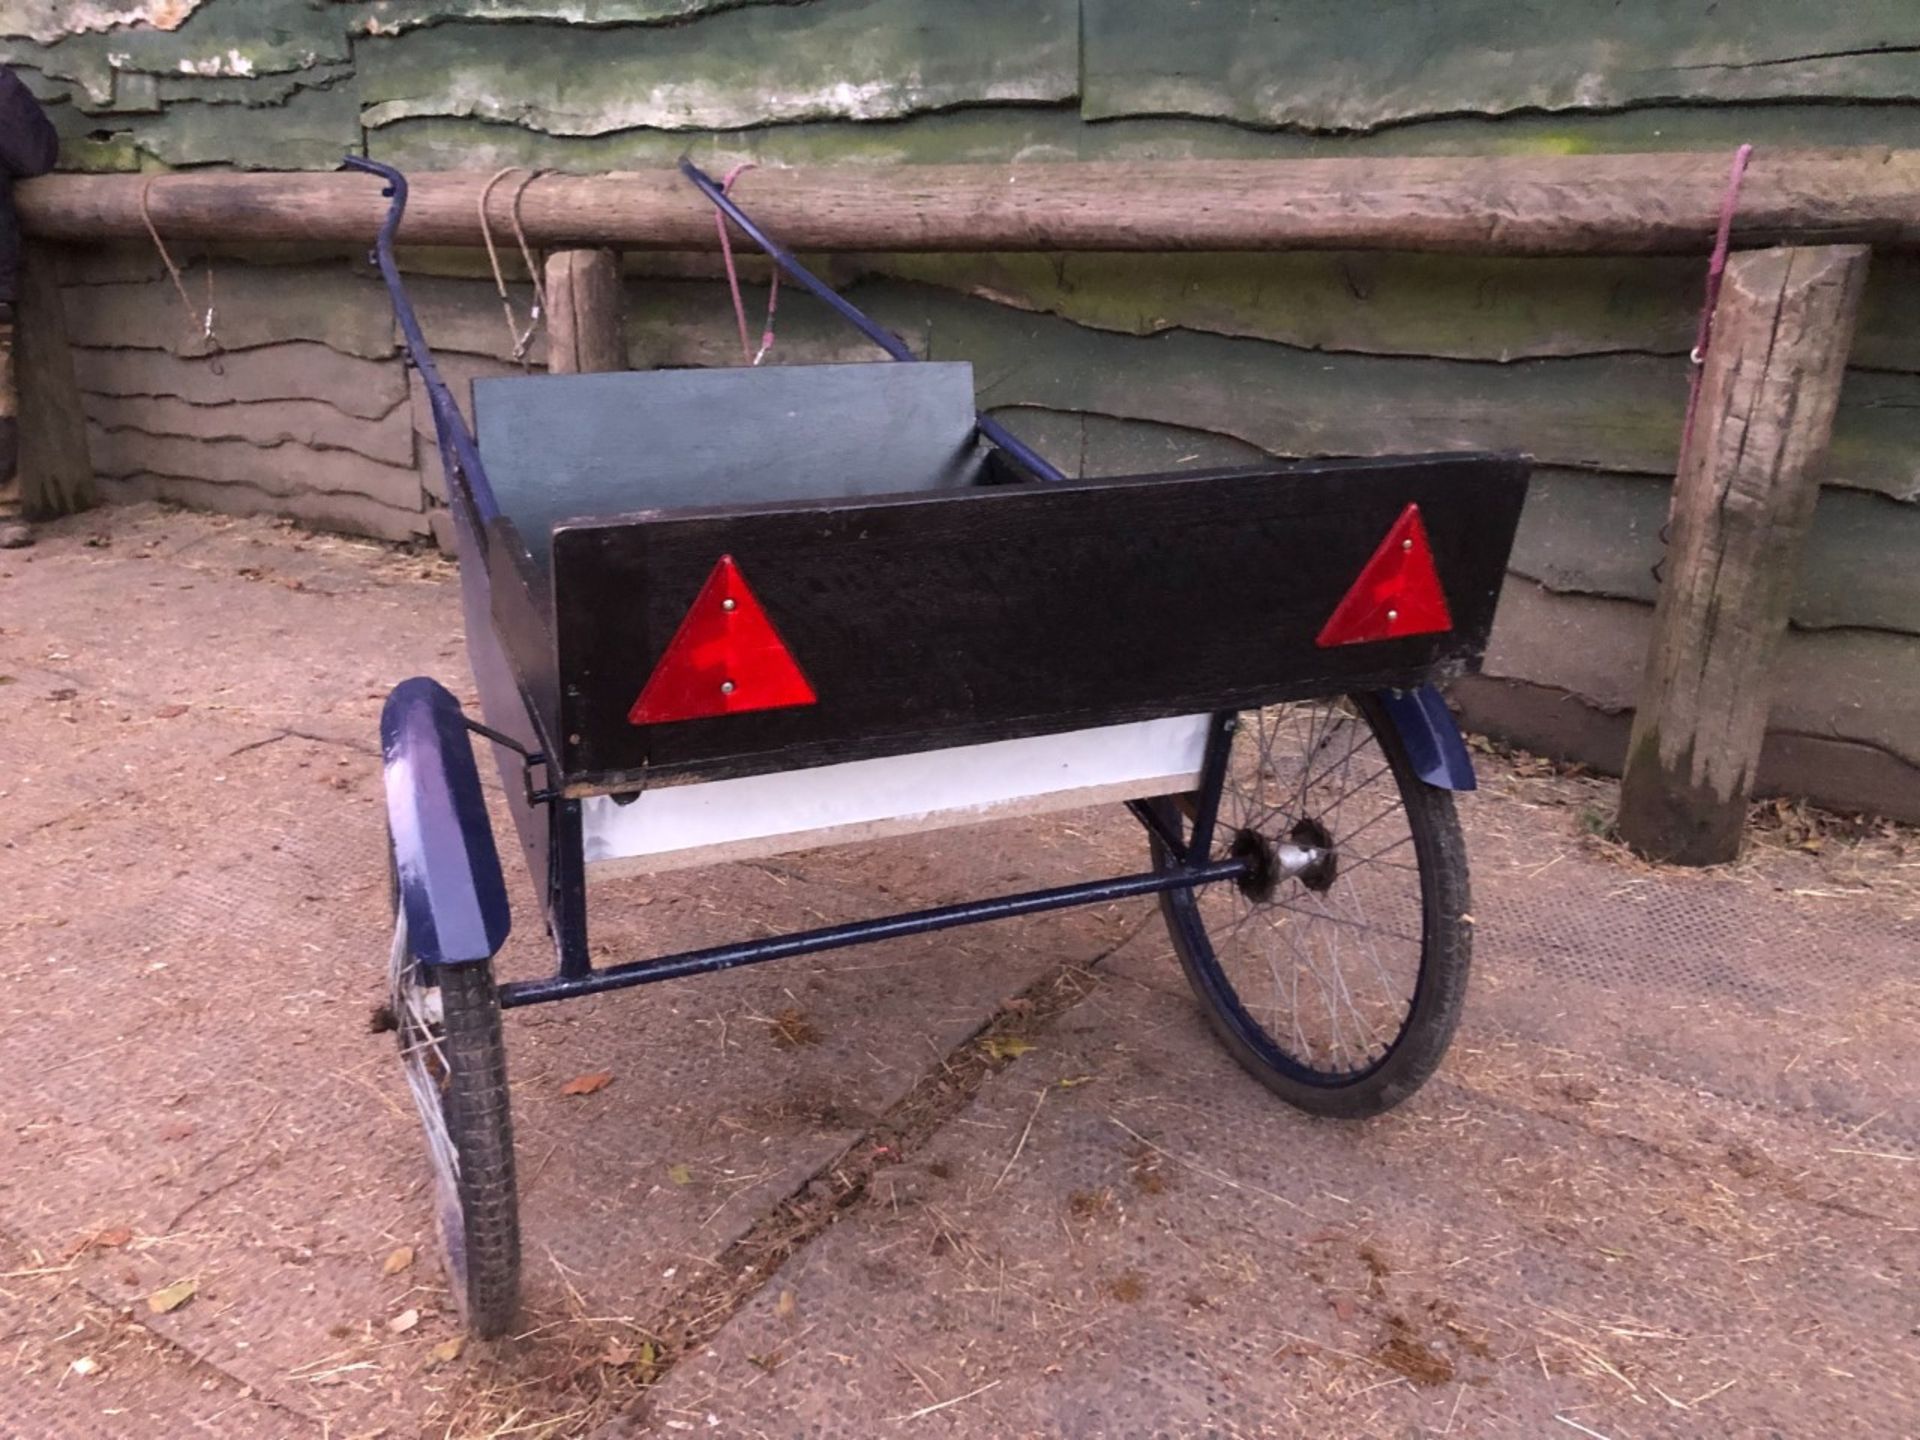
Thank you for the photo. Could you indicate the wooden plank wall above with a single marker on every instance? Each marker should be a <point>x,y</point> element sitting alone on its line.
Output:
<point>1111,363</point>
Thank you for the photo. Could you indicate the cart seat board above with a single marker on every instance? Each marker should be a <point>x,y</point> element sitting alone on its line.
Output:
<point>562,446</point>
<point>671,827</point>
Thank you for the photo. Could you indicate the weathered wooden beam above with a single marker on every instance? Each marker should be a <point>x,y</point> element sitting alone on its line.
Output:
<point>1502,204</point>
<point>584,317</point>
<point>56,471</point>
<point>1743,502</point>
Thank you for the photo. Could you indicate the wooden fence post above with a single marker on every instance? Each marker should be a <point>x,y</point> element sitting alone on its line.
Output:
<point>56,472</point>
<point>1743,501</point>
<point>584,312</point>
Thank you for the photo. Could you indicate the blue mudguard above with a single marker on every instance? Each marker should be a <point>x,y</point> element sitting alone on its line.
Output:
<point>1432,739</point>
<point>451,888</point>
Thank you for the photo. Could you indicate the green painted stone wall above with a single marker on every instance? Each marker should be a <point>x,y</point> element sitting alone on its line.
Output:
<point>1111,363</point>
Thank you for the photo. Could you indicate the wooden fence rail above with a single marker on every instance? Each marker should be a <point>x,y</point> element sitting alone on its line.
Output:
<point>1500,205</point>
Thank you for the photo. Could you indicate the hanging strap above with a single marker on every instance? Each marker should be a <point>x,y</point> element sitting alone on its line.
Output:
<point>1703,337</point>
<point>520,340</point>
<point>752,356</point>
<point>1716,272</point>
<point>202,320</point>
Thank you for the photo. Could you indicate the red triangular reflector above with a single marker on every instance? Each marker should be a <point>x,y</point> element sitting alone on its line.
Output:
<point>725,658</point>
<point>1398,592</point>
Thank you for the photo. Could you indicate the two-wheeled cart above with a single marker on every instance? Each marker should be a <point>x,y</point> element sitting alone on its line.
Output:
<point>726,613</point>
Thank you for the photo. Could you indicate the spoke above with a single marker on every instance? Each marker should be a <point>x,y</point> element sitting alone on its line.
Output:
<point>1386,985</point>
<point>1307,755</point>
<point>1406,839</point>
<point>1344,920</point>
<point>1315,777</point>
<point>1356,789</point>
<point>1233,931</point>
<point>419,1039</point>
<point>1303,956</point>
<point>1340,991</point>
<point>1367,933</point>
<point>1298,1034</point>
<point>1346,768</point>
<point>1259,811</point>
<point>1347,870</point>
<point>1346,837</point>
<point>1273,973</point>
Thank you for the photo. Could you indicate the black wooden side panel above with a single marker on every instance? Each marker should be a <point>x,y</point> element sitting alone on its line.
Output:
<point>945,619</point>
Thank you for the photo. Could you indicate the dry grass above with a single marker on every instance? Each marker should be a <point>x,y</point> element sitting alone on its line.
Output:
<point>1836,855</point>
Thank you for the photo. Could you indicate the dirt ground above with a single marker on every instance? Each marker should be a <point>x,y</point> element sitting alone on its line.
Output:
<point>994,1182</point>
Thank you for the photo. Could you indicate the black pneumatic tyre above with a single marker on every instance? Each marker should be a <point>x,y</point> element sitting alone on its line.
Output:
<point>1336,972</point>
<point>456,1066</point>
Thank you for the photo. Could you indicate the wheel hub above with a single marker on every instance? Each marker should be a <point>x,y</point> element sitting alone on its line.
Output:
<point>1263,866</point>
<point>1322,860</point>
<point>1307,855</point>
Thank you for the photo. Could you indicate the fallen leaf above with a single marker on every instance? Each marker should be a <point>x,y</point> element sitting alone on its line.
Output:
<point>679,1174</point>
<point>786,1304</point>
<point>447,1351</point>
<point>616,1355</point>
<point>171,1297</point>
<point>176,1130</point>
<point>1343,1309</point>
<point>587,1084</point>
<point>404,1321</point>
<point>169,712</point>
<point>647,1357</point>
<point>1073,1080</point>
<point>1007,1047</point>
<point>397,1261</point>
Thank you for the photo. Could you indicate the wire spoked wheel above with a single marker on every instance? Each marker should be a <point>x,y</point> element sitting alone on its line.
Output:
<point>1336,969</point>
<point>455,1063</point>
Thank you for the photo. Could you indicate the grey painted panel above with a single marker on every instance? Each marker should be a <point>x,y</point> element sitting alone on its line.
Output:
<point>558,447</point>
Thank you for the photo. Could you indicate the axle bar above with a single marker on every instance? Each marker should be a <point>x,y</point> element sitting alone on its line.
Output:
<point>917,922</point>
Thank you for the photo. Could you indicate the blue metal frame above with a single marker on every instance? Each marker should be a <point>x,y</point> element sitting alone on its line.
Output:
<point>459,453</point>
<point>890,927</point>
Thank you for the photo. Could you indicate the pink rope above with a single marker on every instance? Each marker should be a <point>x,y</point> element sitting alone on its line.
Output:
<point>733,278</point>
<point>1716,271</point>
